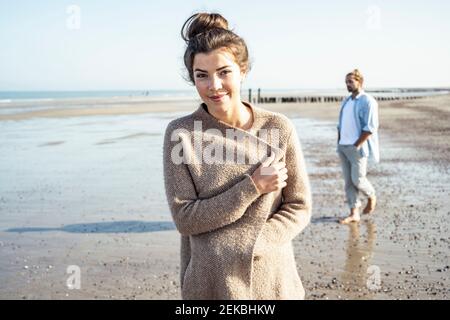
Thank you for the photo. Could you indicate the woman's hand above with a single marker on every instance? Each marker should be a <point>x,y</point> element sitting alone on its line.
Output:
<point>270,176</point>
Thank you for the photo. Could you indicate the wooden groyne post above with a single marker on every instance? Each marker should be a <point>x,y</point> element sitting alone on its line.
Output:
<point>316,99</point>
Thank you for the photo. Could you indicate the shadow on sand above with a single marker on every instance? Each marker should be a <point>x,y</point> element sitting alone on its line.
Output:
<point>324,219</point>
<point>106,227</point>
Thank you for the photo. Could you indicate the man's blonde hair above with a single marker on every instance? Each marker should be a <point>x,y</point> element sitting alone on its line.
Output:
<point>357,75</point>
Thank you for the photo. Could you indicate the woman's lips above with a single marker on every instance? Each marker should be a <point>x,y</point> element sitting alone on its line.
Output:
<point>217,98</point>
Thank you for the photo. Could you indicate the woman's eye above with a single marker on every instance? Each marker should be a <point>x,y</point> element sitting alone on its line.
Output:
<point>224,72</point>
<point>200,75</point>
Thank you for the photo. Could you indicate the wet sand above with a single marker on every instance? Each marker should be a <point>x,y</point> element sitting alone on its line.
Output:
<point>94,199</point>
<point>407,239</point>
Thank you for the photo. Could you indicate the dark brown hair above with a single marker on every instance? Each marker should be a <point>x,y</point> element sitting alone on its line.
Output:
<point>205,32</point>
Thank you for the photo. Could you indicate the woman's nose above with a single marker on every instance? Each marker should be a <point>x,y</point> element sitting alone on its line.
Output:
<point>215,83</point>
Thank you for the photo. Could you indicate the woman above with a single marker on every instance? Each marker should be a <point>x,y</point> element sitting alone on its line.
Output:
<point>237,203</point>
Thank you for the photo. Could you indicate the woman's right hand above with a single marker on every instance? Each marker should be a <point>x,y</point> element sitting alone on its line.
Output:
<point>270,176</point>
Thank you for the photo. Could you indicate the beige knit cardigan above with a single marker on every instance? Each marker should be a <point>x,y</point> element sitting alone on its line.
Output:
<point>235,242</point>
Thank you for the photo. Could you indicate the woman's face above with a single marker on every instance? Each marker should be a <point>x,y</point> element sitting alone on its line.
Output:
<point>218,79</point>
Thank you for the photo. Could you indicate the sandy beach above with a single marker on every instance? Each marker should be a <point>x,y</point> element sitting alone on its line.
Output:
<point>82,185</point>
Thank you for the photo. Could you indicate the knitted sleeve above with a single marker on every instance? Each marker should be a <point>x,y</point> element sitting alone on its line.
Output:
<point>294,213</point>
<point>193,215</point>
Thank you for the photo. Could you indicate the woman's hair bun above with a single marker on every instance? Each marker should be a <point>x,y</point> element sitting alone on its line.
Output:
<point>202,22</point>
<point>206,32</point>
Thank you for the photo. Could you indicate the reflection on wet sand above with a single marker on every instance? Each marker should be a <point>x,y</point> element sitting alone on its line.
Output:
<point>359,255</point>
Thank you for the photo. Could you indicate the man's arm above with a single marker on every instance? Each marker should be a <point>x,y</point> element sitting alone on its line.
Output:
<point>362,138</point>
<point>369,122</point>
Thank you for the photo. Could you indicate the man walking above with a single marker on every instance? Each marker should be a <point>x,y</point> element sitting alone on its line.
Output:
<point>357,142</point>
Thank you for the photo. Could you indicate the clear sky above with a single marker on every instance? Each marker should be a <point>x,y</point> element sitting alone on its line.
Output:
<point>109,44</point>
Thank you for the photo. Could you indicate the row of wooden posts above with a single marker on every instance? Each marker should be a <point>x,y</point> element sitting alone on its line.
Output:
<point>314,99</point>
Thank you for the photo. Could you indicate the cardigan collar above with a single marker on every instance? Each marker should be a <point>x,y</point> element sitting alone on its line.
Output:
<point>202,113</point>
<point>209,121</point>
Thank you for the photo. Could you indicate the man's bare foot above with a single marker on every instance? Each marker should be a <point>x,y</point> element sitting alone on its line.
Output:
<point>350,219</point>
<point>353,217</point>
<point>371,204</point>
